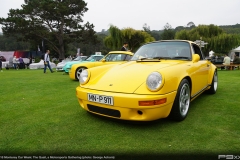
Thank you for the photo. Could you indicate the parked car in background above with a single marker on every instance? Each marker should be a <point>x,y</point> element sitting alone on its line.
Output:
<point>160,81</point>
<point>40,65</point>
<point>3,59</point>
<point>92,58</point>
<point>217,60</point>
<point>114,57</point>
<point>60,65</point>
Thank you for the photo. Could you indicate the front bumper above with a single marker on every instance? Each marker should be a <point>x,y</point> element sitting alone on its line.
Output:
<point>126,106</point>
<point>59,68</point>
<point>66,70</point>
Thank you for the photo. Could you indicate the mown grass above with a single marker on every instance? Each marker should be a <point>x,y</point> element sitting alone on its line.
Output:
<point>40,115</point>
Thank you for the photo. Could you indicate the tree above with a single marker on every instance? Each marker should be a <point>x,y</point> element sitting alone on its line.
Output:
<point>10,44</point>
<point>135,38</point>
<point>217,39</point>
<point>57,22</point>
<point>146,28</point>
<point>154,34</point>
<point>190,24</point>
<point>168,32</point>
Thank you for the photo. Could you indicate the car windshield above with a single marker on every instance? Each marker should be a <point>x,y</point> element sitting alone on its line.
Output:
<point>78,58</point>
<point>163,50</point>
<point>94,58</point>
<point>117,57</point>
<point>84,57</point>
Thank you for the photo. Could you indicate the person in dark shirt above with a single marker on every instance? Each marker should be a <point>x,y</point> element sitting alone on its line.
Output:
<point>21,63</point>
<point>236,60</point>
<point>124,47</point>
<point>1,64</point>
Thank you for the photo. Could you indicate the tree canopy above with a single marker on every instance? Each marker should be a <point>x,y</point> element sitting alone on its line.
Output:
<point>218,40</point>
<point>57,22</point>
<point>168,32</point>
<point>135,38</point>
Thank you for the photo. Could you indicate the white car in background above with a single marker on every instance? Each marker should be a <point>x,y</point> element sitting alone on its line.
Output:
<point>40,65</point>
<point>60,65</point>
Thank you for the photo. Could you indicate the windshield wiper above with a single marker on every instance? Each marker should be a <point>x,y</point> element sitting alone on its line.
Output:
<point>180,57</point>
<point>161,58</point>
<point>148,60</point>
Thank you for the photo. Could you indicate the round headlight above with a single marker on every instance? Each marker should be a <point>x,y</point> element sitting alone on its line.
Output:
<point>154,81</point>
<point>84,76</point>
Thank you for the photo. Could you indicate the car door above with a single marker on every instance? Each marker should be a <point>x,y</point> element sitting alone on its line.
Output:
<point>201,71</point>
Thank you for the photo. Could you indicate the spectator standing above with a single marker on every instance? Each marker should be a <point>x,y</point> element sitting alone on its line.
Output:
<point>15,62</point>
<point>30,61</point>
<point>46,62</point>
<point>1,64</point>
<point>124,47</point>
<point>21,63</point>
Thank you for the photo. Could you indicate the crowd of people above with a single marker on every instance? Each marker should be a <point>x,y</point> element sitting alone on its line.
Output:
<point>18,63</point>
<point>232,59</point>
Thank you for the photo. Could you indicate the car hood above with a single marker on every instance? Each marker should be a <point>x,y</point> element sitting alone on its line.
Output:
<point>127,77</point>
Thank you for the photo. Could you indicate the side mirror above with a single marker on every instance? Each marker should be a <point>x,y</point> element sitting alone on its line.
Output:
<point>196,58</point>
<point>103,60</point>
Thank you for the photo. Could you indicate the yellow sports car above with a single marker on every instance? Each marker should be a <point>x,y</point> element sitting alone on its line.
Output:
<point>160,81</point>
<point>114,57</point>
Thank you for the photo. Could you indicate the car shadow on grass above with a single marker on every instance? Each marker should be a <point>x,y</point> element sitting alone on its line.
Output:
<point>129,123</point>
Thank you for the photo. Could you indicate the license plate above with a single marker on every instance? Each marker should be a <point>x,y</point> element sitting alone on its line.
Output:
<point>100,99</point>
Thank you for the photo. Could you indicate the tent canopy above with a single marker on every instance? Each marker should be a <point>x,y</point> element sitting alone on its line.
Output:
<point>236,49</point>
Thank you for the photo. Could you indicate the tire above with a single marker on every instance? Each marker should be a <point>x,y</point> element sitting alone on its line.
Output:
<point>214,84</point>
<point>78,72</point>
<point>182,102</point>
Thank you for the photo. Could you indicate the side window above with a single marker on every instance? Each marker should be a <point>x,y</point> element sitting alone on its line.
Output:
<point>197,50</point>
<point>108,57</point>
<point>98,58</point>
<point>128,57</point>
<point>115,57</point>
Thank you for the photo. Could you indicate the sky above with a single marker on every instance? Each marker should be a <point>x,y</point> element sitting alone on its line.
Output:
<point>154,13</point>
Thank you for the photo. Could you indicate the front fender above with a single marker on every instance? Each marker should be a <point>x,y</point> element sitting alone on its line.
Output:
<point>211,73</point>
<point>97,72</point>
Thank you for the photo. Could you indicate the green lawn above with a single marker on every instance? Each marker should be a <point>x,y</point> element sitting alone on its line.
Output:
<point>40,115</point>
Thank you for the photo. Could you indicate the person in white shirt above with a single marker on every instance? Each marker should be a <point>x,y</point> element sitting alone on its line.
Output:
<point>46,62</point>
<point>15,62</point>
<point>226,60</point>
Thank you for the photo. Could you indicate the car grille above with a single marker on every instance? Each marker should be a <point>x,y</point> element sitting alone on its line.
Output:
<point>105,111</point>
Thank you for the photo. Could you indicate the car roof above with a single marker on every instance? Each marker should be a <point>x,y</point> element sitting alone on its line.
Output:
<point>124,52</point>
<point>178,40</point>
<point>97,55</point>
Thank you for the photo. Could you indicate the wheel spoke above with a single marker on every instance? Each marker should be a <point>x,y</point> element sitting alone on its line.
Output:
<point>79,71</point>
<point>184,99</point>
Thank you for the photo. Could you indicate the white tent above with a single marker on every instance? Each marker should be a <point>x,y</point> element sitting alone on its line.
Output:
<point>236,50</point>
